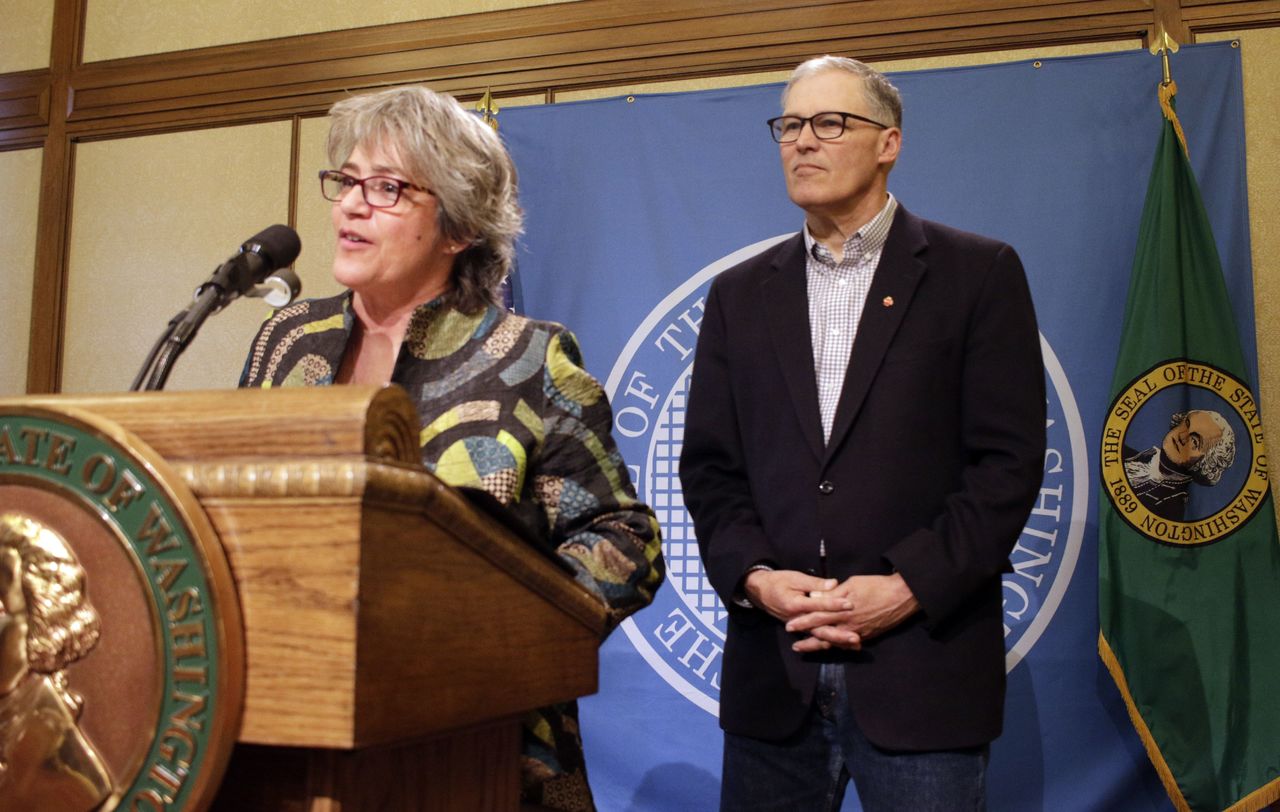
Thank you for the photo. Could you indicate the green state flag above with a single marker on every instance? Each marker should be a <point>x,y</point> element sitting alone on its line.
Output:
<point>1189,562</point>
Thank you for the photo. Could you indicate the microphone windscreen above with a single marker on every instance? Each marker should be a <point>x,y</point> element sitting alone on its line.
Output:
<point>278,245</point>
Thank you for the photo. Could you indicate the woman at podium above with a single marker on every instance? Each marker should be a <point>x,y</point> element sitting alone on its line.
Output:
<point>425,214</point>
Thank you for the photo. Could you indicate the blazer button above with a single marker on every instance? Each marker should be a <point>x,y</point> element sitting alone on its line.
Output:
<point>825,487</point>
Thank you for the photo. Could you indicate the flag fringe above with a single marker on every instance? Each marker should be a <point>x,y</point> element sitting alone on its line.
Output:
<point>1139,724</point>
<point>1166,92</point>
<point>1259,799</point>
<point>1255,801</point>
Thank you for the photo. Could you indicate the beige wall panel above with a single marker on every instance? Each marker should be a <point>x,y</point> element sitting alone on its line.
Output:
<point>153,217</point>
<point>1260,58</point>
<point>25,35</point>
<point>512,101</point>
<point>677,86</point>
<point>992,57</point>
<point>18,212</point>
<point>314,224</point>
<point>897,66</point>
<point>121,28</point>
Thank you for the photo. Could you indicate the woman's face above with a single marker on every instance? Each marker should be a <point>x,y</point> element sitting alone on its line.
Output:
<point>394,254</point>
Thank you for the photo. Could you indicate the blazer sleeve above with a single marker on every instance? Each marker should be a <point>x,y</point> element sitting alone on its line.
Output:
<point>1002,424</point>
<point>608,537</point>
<point>713,467</point>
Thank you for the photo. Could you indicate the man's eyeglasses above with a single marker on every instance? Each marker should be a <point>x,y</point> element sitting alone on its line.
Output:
<point>379,192</point>
<point>826,126</point>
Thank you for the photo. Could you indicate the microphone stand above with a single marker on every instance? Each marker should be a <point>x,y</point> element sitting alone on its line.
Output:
<point>177,335</point>
<point>141,377</point>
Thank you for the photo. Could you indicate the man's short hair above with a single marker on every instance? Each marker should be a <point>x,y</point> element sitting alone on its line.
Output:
<point>1218,457</point>
<point>885,101</point>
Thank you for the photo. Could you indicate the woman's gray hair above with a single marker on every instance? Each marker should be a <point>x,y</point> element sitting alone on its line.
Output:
<point>461,159</point>
<point>885,101</point>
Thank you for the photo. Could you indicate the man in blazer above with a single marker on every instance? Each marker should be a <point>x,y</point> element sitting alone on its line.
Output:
<point>863,443</point>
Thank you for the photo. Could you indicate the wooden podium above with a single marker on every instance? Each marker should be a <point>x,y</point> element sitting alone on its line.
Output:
<point>394,636</point>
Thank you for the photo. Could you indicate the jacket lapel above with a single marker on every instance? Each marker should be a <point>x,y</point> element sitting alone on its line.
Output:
<point>785,301</point>
<point>892,288</point>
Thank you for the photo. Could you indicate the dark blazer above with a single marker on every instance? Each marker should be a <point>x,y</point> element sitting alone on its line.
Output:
<point>934,462</point>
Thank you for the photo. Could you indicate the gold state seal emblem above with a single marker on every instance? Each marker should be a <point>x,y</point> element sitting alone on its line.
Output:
<point>121,652</point>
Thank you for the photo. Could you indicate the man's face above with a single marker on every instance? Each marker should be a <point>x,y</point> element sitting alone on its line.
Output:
<point>834,177</point>
<point>1187,442</point>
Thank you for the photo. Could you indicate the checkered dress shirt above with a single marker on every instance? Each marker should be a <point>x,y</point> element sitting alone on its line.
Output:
<point>837,293</point>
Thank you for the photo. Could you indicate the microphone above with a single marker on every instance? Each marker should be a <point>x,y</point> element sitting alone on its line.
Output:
<point>274,247</point>
<point>259,268</point>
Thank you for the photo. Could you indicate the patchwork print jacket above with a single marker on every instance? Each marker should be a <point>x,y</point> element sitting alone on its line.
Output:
<point>506,406</point>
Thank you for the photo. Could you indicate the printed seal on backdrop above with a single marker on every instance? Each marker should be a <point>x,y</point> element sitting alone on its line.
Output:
<point>1183,460</point>
<point>123,654</point>
<point>681,636</point>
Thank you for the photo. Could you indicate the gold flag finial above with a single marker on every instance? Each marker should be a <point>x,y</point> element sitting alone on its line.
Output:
<point>488,110</point>
<point>1163,45</point>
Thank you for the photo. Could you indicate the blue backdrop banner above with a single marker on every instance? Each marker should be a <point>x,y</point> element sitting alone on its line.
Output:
<point>634,204</point>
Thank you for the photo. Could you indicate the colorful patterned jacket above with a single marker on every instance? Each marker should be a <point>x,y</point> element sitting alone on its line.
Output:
<point>506,406</point>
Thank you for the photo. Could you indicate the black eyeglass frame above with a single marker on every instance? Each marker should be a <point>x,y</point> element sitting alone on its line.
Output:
<point>844,125</point>
<point>400,185</point>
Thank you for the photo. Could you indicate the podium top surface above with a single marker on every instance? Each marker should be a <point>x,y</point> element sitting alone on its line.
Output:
<point>377,423</point>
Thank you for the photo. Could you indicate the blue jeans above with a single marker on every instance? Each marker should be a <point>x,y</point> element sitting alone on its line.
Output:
<point>811,769</point>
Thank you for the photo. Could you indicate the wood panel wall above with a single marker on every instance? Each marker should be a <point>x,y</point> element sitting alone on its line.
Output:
<point>539,50</point>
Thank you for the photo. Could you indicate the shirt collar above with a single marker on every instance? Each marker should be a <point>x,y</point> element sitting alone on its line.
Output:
<point>873,235</point>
